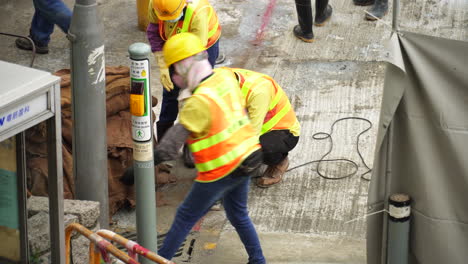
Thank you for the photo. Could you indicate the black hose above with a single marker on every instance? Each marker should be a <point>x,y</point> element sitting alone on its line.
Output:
<point>29,39</point>
<point>324,135</point>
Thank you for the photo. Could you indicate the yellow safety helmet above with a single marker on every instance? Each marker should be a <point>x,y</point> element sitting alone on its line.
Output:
<point>168,9</point>
<point>181,46</point>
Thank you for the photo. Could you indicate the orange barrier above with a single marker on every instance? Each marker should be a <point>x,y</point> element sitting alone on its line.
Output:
<point>133,247</point>
<point>97,248</point>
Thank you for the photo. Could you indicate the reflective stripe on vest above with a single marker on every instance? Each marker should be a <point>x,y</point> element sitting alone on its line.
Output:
<point>214,29</point>
<point>231,137</point>
<point>280,113</point>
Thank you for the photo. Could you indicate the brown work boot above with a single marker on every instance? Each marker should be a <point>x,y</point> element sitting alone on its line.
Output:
<point>273,174</point>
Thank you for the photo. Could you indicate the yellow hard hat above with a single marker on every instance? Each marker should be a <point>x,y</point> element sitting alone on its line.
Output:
<point>168,9</point>
<point>181,46</point>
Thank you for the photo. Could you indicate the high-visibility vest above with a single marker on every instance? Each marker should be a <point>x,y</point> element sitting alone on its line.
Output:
<point>280,114</point>
<point>231,137</point>
<point>214,28</point>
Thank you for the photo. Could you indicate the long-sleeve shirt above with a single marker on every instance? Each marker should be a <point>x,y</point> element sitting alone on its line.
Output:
<point>199,27</point>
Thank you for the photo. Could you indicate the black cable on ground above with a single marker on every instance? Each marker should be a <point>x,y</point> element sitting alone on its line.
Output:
<point>323,136</point>
<point>29,39</point>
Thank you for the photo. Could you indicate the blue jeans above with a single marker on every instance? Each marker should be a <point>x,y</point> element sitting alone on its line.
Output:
<point>234,192</point>
<point>47,14</point>
<point>170,105</point>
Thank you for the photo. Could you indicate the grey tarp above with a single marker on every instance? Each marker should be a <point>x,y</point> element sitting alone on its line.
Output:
<point>422,149</point>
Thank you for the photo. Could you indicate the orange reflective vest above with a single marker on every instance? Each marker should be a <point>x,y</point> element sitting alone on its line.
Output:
<point>214,28</point>
<point>280,114</point>
<point>231,138</point>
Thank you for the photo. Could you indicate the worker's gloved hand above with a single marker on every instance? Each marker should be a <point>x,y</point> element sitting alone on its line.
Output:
<point>164,72</point>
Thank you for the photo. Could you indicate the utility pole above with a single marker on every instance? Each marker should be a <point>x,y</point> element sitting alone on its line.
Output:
<point>89,107</point>
<point>142,134</point>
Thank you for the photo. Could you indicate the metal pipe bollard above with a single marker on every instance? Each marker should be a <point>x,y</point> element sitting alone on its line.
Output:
<point>142,134</point>
<point>89,107</point>
<point>398,228</point>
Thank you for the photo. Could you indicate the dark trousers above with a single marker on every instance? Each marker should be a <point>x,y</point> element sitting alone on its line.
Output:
<point>276,144</point>
<point>304,13</point>
<point>170,105</point>
<point>233,190</point>
<point>47,14</point>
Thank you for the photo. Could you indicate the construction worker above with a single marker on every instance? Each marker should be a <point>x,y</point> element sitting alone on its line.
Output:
<point>273,119</point>
<point>171,17</point>
<point>225,147</point>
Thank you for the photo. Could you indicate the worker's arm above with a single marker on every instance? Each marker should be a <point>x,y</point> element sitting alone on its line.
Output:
<point>258,104</point>
<point>194,118</point>
<point>172,142</point>
<point>199,25</point>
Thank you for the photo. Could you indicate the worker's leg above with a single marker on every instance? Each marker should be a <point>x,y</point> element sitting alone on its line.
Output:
<point>199,200</point>
<point>213,53</point>
<point>54,12</point>
<point>235,204</point>
<point>323,12</point>
<point>276,145</point>
<point>303,31</point>
<point>169,109</point>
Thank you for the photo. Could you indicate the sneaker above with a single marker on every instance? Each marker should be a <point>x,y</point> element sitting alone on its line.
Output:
<point>320,20</point>
<point>363,2</point>
<point>307,37</point>
<point>24,44</point>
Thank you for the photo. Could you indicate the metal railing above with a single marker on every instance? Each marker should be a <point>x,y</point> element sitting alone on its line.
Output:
<point>100,247</point>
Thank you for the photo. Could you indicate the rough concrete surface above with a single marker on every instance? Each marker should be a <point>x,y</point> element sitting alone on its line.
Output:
<point>303,219</point>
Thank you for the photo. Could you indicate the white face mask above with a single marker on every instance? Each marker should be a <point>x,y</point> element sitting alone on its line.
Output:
<point>175,20</point>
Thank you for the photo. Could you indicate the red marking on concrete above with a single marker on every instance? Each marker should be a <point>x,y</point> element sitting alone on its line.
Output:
<point>265,20</point>
<point>197,226</point>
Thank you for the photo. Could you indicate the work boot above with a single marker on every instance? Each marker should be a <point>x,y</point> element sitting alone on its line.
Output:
<point>379,10</point>
<point>24,44</point>
<point>323,16</point>
<point>307,37</point>
<point>162,127</point>
<point>273,174</point>
<point>303,31</point>
<point>188,158</point>
<point>363,2</point>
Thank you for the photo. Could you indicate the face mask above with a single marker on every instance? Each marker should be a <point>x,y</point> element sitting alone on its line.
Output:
<point>175,20</point>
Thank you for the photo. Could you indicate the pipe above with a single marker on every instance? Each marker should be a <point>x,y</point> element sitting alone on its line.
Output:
<point>101,244</point>
<point>89,107</point>
<point>133,247</point>
<point>395,15</point>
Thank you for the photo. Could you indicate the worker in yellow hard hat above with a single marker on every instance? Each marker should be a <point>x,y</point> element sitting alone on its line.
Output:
<point>225,146</point>
<point>274,120</point>
<point>168,18</point>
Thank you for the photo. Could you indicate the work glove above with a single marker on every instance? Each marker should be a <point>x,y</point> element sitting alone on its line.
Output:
<point>164,72</point>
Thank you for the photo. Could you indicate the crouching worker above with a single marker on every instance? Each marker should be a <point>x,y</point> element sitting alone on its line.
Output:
<point>273,119</point>
<point>219,134</point>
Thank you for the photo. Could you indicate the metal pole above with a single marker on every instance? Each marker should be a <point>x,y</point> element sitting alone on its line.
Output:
<point>142,134</point>
<point>395,15</point>
<point>398,228</point>
<point>89,107</point>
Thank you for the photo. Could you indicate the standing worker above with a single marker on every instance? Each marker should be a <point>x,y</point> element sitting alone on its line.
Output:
<point>323,12</point>
<point>274,120</point>
<point>47,14</point>
<point>168,18</point>
<point>221,138</point>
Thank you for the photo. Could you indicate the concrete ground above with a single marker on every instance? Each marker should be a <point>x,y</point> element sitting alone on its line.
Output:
<point>303,219</point>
